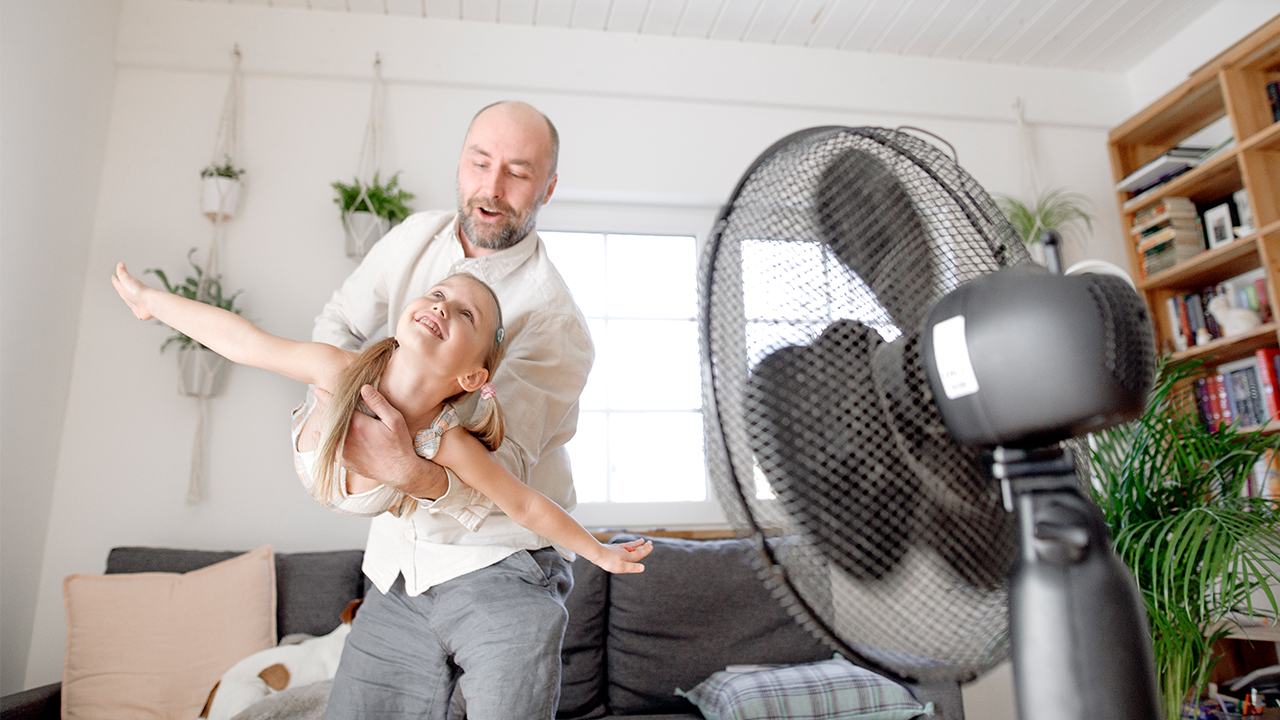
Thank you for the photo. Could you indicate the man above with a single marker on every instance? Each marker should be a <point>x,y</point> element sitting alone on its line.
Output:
<point>465,597</point>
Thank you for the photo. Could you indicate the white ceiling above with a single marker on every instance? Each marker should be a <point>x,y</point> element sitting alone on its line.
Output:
<point>1100,35</point>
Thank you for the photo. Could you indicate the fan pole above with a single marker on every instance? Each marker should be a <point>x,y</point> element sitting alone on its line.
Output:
<point>1081,645</point>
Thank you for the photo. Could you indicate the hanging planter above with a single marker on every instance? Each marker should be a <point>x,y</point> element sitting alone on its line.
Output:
<point>202,373</point>
<point>369,208</point>
<point>220,190</point>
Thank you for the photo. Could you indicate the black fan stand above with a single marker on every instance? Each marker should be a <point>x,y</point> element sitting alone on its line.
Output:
<point>1081,647</point>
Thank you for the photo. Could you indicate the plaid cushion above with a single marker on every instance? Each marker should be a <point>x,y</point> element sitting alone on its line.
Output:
<point>828,690</point>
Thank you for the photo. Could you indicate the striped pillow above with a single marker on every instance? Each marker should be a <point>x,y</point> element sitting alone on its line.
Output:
<point>834,689</point>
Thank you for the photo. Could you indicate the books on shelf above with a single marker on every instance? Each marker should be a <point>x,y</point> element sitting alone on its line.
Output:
<point>1191,322</point>
<point>1161,170</point>
<point>1273,94</point>
<point>1166,209</point>
<point>1237,393</point>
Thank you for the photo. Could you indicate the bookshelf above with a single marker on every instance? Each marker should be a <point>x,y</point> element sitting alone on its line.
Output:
<point>1232,85</point>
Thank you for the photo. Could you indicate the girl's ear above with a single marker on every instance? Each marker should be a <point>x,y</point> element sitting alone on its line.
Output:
<point>472,382</point>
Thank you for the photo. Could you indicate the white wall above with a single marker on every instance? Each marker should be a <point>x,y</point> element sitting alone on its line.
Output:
<point>1218,29</point>
<point>56,75</point>
<point>639,117</point>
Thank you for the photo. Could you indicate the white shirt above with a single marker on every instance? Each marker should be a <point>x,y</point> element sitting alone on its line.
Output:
<point>548,356</point>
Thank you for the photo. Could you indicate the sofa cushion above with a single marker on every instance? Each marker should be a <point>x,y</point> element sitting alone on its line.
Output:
<point>312,588</point>
<point>151,645</point>
<point>582,654</point>
<point>697,608</point>
<point>834,689</point>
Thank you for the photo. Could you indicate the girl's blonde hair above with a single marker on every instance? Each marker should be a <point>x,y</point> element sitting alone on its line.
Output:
<point>367,369</point>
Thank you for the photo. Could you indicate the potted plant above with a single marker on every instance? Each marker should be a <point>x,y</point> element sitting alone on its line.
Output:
<point>220,186</point>
<point>370,210</point>
<point>1053,210</point>
<point>202,372</point>
<point>1201,551</point>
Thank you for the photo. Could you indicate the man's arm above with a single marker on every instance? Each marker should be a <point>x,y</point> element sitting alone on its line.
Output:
<point>376,449</point>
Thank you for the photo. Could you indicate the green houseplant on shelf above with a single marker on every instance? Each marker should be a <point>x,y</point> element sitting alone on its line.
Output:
<point>1201,551</point>
<point>1055,209</point>
<point>202,371</point>
<point>369,210</point>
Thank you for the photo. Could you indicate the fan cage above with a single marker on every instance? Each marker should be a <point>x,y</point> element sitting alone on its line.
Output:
<point>836,241</point>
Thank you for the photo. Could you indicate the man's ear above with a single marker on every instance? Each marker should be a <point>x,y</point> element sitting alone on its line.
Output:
<point>472,382</point>
<point>551,187</point>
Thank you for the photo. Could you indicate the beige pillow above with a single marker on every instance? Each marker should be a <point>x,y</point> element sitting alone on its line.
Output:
<point>152,645</point>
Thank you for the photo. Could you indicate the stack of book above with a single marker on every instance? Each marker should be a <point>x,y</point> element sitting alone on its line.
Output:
<point>1189,314</point>
<point>1244,392</point>
<point>1161,170</point>
<point>1166,234</point>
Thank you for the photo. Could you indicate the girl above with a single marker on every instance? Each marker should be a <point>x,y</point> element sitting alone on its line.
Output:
<point>447,344</point>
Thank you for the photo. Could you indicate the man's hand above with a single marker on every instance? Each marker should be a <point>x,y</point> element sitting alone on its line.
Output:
<point>382,450</point>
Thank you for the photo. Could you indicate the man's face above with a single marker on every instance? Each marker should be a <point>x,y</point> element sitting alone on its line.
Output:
<point>503,176</point>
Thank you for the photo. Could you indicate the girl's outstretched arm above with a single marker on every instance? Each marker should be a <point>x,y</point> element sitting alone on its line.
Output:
<point>230,335</point>
<point>461,452</point>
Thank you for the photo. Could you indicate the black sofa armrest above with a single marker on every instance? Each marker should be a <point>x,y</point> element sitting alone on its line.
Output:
<point>41,703</point>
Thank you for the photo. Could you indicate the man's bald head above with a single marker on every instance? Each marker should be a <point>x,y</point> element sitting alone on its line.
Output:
<point>517,109</point>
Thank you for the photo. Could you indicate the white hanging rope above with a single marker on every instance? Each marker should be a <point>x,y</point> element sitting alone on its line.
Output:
<point>1028,155</point>
<point>224,151</point>
<point>368,168</point>
<point>195,486</point>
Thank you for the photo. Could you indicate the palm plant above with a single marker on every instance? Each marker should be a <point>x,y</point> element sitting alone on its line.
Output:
<point>1053,210</point>
<point>196,287</point>
<point>1200,550</point>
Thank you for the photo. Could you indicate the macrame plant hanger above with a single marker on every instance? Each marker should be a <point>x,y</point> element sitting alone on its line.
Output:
<point>204,371</point>
<point>1029,164</point>
<point>363,231</point>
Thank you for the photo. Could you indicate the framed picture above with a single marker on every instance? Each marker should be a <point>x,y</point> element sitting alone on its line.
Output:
<point>1217,225</point>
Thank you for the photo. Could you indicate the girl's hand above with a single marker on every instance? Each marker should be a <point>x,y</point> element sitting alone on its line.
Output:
<point>624,558</point>
<point>132,291</point>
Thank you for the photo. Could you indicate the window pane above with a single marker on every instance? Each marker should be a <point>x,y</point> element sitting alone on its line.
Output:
<point>589,457</point>
<point>652,276</point>
<point>595,394</point>
<point>580,259</point>
<point>656,457</point>
<point>653,365</point>
<point>778,277</point>
<point>765,337</point>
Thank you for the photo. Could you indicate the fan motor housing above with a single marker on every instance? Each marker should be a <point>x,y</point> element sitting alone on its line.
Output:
<point>1025,358</point>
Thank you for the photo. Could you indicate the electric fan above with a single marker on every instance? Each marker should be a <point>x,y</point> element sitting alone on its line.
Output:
<point>823,290</point>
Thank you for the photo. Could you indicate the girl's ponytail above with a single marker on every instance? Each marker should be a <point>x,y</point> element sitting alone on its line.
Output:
<point>489,428</point>
<point>364,370</point>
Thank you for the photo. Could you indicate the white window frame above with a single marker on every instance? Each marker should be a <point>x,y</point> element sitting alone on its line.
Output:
<point>622,213</point>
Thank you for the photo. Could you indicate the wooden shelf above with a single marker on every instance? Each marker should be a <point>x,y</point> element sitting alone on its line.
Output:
<point>1266,141</point>
<point>1211,266</point>
<point>1210,181</point>
<point>1231,348</point>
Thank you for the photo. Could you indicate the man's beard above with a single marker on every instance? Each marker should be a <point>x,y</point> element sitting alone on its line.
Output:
<point>512,230</point>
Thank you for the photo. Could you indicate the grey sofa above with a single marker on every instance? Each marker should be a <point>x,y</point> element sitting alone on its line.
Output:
<point>631,639</point>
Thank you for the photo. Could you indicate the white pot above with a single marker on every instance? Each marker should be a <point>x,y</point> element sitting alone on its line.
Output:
<point>201,372</point>
<point>363,230</point>
<point>219,198</point>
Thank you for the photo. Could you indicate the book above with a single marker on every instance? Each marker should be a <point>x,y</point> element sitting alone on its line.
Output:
<point>1171,206</point>
<point>1180,339</point>
<point>1161,170</point>
<point>1266,358</point>
<point>1183,231</point>
<point>1243,390</point>
<point>1273,94</point>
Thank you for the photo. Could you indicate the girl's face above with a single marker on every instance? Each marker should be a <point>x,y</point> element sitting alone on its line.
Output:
<point>453,326</point>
